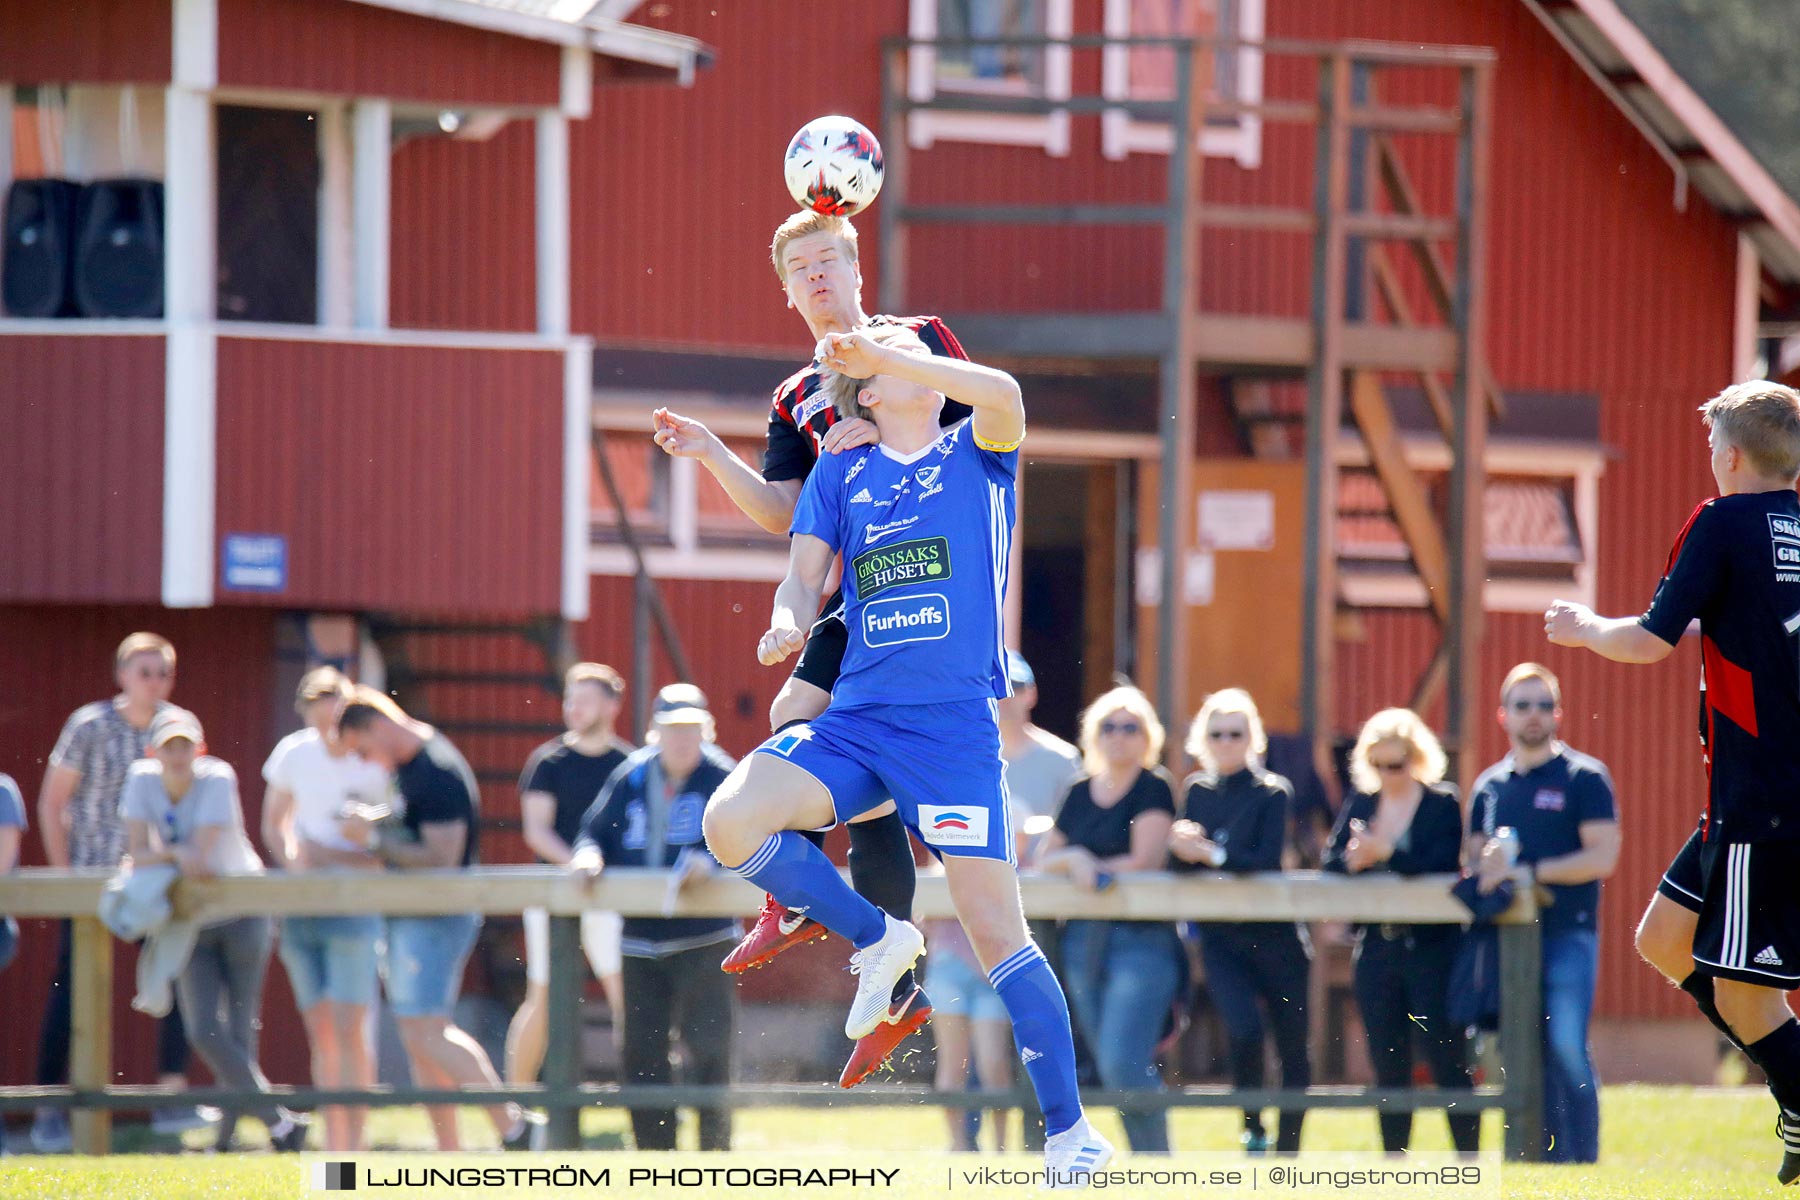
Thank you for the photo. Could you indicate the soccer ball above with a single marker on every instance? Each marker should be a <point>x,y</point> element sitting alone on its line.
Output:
<point>833,166</point>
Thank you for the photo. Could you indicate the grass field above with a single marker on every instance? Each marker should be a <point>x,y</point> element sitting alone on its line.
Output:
<point>1657,1142</point>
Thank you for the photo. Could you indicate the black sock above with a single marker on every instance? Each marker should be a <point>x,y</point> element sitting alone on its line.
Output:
<point>881,871</point>
<point>1700,987</point>
<point>1778,1055</point>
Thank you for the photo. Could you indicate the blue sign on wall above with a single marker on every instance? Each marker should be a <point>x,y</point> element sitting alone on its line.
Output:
<point>256,562</point>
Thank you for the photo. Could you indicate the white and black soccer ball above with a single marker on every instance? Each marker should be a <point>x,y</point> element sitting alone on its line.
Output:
<point>833,166</point>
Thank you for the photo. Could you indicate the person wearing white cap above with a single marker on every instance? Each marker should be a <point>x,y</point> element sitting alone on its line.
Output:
<point>649,815</point>
<point>181,806</point>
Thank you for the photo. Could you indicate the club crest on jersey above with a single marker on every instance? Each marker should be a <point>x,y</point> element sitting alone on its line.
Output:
<point>926,560</point>
<point>904,619</point>
<point>1549,799</point>
<point>928,479</point>
<point>960,825</point>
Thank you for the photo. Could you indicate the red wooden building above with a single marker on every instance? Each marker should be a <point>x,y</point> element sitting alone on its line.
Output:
<point>519,230</point>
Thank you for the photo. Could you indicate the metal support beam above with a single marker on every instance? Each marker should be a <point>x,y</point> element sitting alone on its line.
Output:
<point>562,1056</point>
<point>90,1023</point>
<point>1175,423</point>
<point>891,285</point>
<point>1521,1038</point>
<point>1468,444</point>
<point>1324,401</point>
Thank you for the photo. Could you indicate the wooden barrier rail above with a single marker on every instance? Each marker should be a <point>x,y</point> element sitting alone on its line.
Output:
<point>1148,896</point>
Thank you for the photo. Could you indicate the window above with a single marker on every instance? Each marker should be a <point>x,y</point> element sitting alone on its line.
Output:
<point>991,70</point>
<point>1148,73</point>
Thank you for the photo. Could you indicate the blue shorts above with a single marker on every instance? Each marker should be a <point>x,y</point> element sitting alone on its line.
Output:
<point>425,957</point>
<point>331,958</point>
<point>940,763</point>
<point>961,990</point>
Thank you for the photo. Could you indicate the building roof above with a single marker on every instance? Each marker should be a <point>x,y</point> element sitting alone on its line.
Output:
<point>1707,83</point>
<point>598,25</point>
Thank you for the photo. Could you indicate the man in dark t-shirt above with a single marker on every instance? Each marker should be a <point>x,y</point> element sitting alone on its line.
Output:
<point>1728,899</point>
<point>1560,803</point>
<point>815,257</point>
<point>438,804</point>
<point>560,781</point>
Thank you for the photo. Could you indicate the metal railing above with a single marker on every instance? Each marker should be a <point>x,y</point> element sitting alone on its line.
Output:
<point>1151,896</point>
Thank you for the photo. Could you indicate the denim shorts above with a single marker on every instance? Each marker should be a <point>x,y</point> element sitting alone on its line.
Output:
<point>424,962</point>
<point>960,990</point>
<point>331,958</point>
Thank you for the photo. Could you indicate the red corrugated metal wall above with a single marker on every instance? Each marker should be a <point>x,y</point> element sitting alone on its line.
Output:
<point>86,41</point>
<point>226,673</point>
<point>343,48</point>
<point>464,232</point>
<point>81,468</point>
<point>404,477</point>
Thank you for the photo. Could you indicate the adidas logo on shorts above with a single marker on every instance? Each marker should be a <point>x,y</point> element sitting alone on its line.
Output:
<point>1768,957</point>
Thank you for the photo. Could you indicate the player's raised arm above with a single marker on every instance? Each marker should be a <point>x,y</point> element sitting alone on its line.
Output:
<point>1621,639</point>
<point>993,394</point>
<point>797,599</point>
<point>770,503</point>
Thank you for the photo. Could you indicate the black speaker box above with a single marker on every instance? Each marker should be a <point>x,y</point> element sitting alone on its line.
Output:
<point>119,248</point>
<point>36,278</point>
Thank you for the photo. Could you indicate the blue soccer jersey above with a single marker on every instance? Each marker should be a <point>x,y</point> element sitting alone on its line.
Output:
<point>925,539</point>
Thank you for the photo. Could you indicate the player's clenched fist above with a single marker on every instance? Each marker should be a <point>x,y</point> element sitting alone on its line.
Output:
<point>778,643</point>
<point>1566,623</point>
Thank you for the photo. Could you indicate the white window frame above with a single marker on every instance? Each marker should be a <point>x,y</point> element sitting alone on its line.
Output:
<point>1581,464</point>
<point>1047,131</point>
<point>1121,135</point>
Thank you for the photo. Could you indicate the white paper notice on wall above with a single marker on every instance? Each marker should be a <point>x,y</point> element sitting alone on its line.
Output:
<point>1197,577</point>
<point>1236,520</point>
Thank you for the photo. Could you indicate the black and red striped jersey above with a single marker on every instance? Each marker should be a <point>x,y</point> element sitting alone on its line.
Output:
<point>800,413</point>
<point>1736,567</point>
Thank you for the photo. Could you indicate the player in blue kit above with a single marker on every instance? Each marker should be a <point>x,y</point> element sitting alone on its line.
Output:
<point>1725,923</point>
<point>924,522</point>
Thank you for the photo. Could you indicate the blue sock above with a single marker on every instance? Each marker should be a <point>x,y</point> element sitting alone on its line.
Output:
<point>1040,1021</point>
<point>798,874</point>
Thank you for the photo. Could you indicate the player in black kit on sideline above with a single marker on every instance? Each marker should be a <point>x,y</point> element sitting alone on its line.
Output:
<point>1728,898</point>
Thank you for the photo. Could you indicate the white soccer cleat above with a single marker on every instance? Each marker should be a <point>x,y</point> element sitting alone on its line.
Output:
<point>1072,1156</point>
<point>877,970</point>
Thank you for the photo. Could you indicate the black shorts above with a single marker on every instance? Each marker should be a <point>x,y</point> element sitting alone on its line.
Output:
<point>823,655</point>
<point>1749,921</point>
<point>1682,882</point>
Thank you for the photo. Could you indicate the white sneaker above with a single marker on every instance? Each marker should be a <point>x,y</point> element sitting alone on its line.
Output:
<point>1072,1156</point>
<point>877,970</point>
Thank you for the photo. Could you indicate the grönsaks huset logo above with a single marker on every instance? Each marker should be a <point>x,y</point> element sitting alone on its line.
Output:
<point>926,560</point>
<point>906,619</point>
<point>334,1177</point>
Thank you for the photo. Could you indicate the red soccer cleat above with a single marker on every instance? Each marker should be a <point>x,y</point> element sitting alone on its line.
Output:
<point>873,1050</point>
<point>776,929</point>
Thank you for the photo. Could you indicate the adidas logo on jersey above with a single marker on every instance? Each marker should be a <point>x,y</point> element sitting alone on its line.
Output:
<point>1029,1056</point>
<point>862,497</point>
<point>1768,957</point>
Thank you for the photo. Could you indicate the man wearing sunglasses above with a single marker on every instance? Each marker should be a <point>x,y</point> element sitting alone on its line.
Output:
<point>1561,803</point>
<point>78,819</point>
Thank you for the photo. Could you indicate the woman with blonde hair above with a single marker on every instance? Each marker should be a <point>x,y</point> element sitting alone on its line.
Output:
<point>1235,819</point>
<point>1121,975</point>
<point>1404,819</point>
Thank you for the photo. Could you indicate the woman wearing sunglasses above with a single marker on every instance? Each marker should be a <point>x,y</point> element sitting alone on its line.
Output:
<point>1403,818</point>
<point>1121,975</point>
<point>1235,818</point>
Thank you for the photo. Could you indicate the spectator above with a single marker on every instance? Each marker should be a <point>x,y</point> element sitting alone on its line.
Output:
<point>12,832</point>
<point>1040,766</point>
<point>330,961</point>
<point>561,780</point>
<point>1122,976</point>
<point>1235,817</point>
<point>1560,802</point>
<point>970,1025</point>
<point>1404,819</point>
<point>649,816</point>
<point>78,820</point>
<point>436,829</point>
<point>181,806</point>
